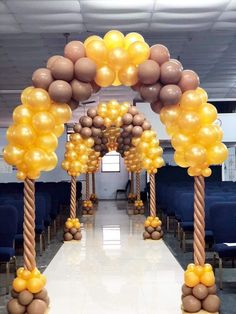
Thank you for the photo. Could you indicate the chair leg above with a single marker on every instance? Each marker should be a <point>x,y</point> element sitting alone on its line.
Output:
<point>167,223</point>
<point>55,226</point>
<point>178,230</point>
<point>40,244</point>
<point>15,267</point>
<point>7,277</point>
<point>184,242</point>
<point>214,261</point>
<point>220,272</point>
<point>49,234</point>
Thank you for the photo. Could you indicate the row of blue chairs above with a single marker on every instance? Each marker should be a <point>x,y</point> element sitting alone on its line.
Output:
<point>49,199</point>
<point>176,202</point>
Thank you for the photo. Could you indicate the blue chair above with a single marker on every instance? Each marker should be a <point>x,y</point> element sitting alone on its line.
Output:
<point>223,218</point>
<point>8,229</point>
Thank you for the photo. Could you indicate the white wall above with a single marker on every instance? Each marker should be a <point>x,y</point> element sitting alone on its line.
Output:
<point>56,175</point>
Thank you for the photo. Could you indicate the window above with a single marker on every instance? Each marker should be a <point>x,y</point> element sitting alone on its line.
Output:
<point>111,162</point>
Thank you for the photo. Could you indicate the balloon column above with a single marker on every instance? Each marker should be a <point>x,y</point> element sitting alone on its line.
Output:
<point>32,138</point>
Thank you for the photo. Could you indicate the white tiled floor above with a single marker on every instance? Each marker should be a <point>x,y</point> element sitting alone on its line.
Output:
<point>112,270</point>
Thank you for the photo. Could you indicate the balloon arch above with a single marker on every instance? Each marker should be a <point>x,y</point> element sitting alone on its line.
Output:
<point>58,88</point>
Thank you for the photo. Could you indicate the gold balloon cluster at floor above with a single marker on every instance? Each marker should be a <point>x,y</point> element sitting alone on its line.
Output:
<point>32,137</point>
<point>194,134</point>
<point>117,57</point>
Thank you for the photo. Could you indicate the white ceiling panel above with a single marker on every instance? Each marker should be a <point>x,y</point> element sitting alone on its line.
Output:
<point>50,18</point>
<point>70,27</point>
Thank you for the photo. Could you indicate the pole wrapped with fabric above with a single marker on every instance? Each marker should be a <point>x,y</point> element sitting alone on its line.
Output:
<point>73,197</point>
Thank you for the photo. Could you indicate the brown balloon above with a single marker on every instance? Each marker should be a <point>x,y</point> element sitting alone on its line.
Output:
<point>127,141</point>
<point>211,303</point>
<point>96,131</point>
<point>128,128</point>
<point>92,112</point>
<point>97,148</point>
<point>78,236</point>
<point>68,236</point>
<point>74,50</point>
<point>186,290</point>
<point>149,72</point>
<point>150,93</point>
<point>103,146</point>
<point>80,90</point>
<point>51,60</point>
<point>77,128</point>
<point>73,104</point>
<point>191,304</point>
<point>146,125</point>
<point>85,70</point>
<point>170,72</point>
<point>37,306</point>
<point>157,106</point>
<point>104,140</point>
<point>200,291</point>
<point>137,131</point>
<point>189,80</point>
<point>124,134</point>
<point>178,62</point>
<point>127,118</point>
<point>98,141</point>
<point>62,69</point>
<point>98,121</point>
<point>126,147</point>
<point>60,91</point>
<point>13,306</point>
<point>136,87</point>
<point>42,78</point>
<point>43,294</point>
<point>170,95</point>
<point>159,53</point>
<point>86,132</point>
<point>138,119</point>
<point>25,297</point>
<point>96,88</point>
<point>73,231</point>
<point>156,235</point>
<point>86,121</point>
<point>133,110</point>
<point>120,140</point>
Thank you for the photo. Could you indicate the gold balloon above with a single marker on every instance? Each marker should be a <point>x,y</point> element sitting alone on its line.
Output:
<point>71,155</point>
<point>38,100</point>
<point>206,172</point>
<point>65,164</point>
<point>22,167</point>
<point>148,135</point>
<point>43,122</point>
<point>22,114</point>
<point>189,122</point>
<point>81,149</point>
<point>118,58</point>
<point>51,161</point>
<point>116,81</point>
<point>114,39</point>
<point>75,166</point>
<point>192,172</point>
<point>107,122</point>
<point>61,112</point>
<point>147,163</point>
<point>131,38</point>
<point>128,75</point>
<point>35,159</point>
<point>21,135</point>
<point>25,94</point>
<point>20,175</point>
<point>190,100</point>
<point>180,159</point>
<point>75,138</point>
<point>69,146</point>
<point>180,141</point>
<point>58,130</point>
<point>207,113</point>
<point>89,142</point>
<point>105,76</point>
<point>172,128</point>
<point>33,174</point>
<point>217,154</point>
<point>91,38</point>
<point>13,155</point>
<point>208,135</point>
<point>195,155</point>
<point>47,142</point>
<point>97,51</point>
<point>203,94</point>
<point>102,109</point>
<point>169,114</point>
<point>138,52</point>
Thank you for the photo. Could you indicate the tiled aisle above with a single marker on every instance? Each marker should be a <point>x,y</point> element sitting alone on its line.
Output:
<point>112,270</point>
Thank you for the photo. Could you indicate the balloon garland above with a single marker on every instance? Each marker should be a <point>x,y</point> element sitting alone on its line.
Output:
<point>114,59</point>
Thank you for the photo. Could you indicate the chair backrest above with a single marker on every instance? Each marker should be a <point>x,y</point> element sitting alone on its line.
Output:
<point>186,207</point>
<point>223,219</point>
<point>40,209</point>
<point>8,225</point>
<point>19,205</point>
<point>211,200</point>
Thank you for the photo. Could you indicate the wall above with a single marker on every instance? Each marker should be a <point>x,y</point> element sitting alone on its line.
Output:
<point>56,175</point>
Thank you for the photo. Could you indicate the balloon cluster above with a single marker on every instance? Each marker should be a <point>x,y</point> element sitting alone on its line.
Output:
<point>77,155</point>
<point>72,230</point>
<point>132,197</point>
<point>32,137</point>
<point>112,112</point>
<point>149,151</point>
<point>69,78</point>
<point>117,57</point>
<point>152,228</point>
<point>199,290</point>
<point>194,136</point>
<point>161,80</point>
<point>93,198</point>
<point>93,162</point>
<point>87,207</point>
<point>112,134</point>
<point>138,207</point>
<point>28,292</point>
<point>132,160</point>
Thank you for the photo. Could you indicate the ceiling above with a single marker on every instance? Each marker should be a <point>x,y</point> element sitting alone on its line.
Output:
<point>201,33</point>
